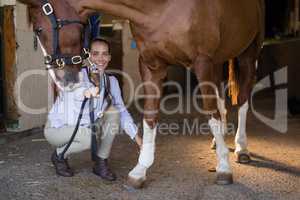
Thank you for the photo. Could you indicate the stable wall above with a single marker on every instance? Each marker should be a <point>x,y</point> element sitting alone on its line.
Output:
<point>278,55</point>
<point>130,62</point>
<point>28,66</point>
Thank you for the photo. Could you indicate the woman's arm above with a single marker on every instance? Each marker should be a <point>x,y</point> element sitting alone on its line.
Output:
<point>126,121</point>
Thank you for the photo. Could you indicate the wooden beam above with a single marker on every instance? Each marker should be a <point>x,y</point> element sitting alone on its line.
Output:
<point>9,47</point>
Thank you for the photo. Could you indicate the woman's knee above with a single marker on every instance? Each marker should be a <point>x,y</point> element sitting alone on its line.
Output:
<point>51,136</point>
<point>84,137</point>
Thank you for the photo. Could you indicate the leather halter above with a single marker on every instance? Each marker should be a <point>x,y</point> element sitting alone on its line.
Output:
<point>56,59</point>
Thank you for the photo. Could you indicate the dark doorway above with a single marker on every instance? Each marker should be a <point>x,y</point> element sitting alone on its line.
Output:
<point>277,17</point>
<point>115,39</point>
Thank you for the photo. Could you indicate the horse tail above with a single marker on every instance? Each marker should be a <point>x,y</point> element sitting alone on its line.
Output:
<point>233,89</point>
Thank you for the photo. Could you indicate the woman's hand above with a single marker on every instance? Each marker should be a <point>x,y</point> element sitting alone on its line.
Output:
<point>91,92</point>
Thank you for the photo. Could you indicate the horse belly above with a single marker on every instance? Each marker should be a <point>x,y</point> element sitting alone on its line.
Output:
<point>240,26</point>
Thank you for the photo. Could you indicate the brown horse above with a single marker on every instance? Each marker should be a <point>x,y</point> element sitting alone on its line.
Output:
<point>60,40</point>
<point>197,34</point>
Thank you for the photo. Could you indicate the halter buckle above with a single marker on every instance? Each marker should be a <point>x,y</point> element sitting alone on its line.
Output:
<point>86,53</point>
<point>47,9</point>
<point>76,60</point>
<point>60,63</point>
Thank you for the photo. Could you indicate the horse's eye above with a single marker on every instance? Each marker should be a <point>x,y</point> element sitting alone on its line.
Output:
<point>38,30</point>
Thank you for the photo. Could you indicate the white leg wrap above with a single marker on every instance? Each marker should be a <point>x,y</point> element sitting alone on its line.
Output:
<point>223,113</point>
<point>222,150</point>
<point>138,172</point>
<point>146,157</point>
<point>241,137</point>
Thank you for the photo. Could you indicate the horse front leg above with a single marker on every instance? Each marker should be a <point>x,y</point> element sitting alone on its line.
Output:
<point>221,104</point>
<point>206,74</point>
<point>223,113</point>
<point>152,80</point>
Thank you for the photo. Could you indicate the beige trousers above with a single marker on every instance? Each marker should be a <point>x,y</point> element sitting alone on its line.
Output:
<point>107,128</point>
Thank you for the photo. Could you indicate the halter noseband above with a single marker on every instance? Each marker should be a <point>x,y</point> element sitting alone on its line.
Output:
<point>56,59</point>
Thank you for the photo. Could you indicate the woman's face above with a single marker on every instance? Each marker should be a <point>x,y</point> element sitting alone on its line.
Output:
<point>100,55</point>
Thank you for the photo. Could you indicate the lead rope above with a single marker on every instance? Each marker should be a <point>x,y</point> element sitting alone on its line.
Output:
<point>61,156</point>
<point>94,143</point>
<point>92,69</point>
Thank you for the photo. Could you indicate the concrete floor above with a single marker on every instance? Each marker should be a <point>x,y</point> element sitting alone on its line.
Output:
<point>180,170</point>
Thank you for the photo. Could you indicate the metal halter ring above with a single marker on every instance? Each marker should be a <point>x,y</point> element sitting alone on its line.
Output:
<point>47,9</point>
<point>48,59</point>
<point>76,60</point>
<point>87,53</point>
<point>60,63</point>
<point>59,23</point>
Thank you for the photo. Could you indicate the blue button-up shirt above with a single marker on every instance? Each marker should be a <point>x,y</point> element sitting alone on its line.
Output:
<point>66,108</point>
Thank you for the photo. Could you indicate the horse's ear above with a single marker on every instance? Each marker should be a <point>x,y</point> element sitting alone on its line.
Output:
<point>30,2</point>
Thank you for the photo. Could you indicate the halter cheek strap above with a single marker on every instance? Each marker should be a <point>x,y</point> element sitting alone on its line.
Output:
<point>56,59</point>
<point>49,67</point>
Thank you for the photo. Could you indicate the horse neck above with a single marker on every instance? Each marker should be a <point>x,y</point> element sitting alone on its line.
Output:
<point>137,12</point>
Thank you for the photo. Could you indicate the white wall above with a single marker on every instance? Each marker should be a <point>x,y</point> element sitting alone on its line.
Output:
<point>7,2</point>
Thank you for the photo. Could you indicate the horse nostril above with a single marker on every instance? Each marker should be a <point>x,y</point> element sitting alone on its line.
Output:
<point>71,76</point>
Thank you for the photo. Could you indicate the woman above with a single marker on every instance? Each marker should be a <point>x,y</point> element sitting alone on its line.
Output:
<point>109,110</point>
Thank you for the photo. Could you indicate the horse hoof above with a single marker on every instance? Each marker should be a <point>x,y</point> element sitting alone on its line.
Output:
<point>243,158</point>
<point>224,179</point>
<point>135,183</point>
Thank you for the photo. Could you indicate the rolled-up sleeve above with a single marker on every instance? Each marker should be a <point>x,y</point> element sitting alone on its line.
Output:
<point>126,121</point>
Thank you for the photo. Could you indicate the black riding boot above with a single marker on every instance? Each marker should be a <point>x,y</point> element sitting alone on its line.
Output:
<point>61,166</point>
<point>101,169</point>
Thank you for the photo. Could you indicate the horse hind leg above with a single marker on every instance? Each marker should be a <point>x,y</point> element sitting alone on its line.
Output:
<point>241,151</point>
<point>205,72</point>
<point>246,62</point>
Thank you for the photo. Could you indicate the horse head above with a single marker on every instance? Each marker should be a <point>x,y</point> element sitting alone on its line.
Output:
<point>59,30</point>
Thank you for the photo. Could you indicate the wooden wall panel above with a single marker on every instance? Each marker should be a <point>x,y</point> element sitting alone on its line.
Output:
<point>9,36</point>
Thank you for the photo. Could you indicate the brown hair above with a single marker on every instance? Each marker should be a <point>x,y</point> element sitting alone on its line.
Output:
<point>102,40</point>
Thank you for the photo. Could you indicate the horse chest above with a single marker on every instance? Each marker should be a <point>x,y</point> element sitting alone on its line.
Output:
<point>166,51</point>
<point>166,36</point>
